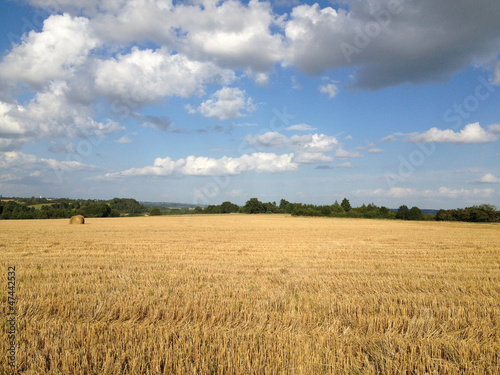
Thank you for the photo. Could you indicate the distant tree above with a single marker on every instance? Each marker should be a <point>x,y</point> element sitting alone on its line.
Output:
<point>283,204</point>
<point>155,212</point>
<point>482,214</point>
<point>212,209</point>
<point>289,208</point>
<point>96,210</point>
<point>383,211</point>
<point>337,208</point>
<point>415,214</point>
<point>403,213</point>
<point>126,205</point>
<point>254,206</point>
<point>270,207</point>
<point>198,210</point>
<point>443,215</point>
<point>326,210</point>
<point>346,206</point>
<point>228,207</point>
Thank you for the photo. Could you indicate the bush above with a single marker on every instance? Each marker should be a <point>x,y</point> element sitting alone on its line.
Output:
<point>155,212</point>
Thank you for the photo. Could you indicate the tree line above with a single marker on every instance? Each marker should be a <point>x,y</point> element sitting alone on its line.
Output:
<point>42,208</point>
<point>482,213</point>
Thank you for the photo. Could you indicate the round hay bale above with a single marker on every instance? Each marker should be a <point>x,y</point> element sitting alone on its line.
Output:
<point>78,219</point>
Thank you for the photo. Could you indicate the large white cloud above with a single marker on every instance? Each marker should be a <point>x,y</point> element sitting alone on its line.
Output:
<point>233,34</point>
<point>143,76</point>
<point>51,114</point>
<point>54,53</point>
<point>229,33</point>
<point>387,42</point>
<point>203,166</point>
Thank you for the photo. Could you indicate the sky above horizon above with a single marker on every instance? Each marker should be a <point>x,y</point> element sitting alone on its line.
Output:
<point>385,101</point>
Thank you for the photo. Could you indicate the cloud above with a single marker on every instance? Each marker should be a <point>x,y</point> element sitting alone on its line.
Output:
<point>225,103</point>
<point>262,79</point>
<point>309,149</point>
<point>204,166</point>
<point>344,154</point>
<point>472,133</point>
<point>51,114</point>
<point>273,140</point>
<point>496,76</point>
<point>390,138</point>
<point>66,147</point>
<point>143,76</point>
<point>301,127</point>
<point>125,139</point>
<point>232,34</point>
<point>344,165</point>
<point>54,53</point>
<point>312,158</point>
<point>324,167</point>
<point>328,88</point>
<point>235,193</point>
<point>375,151</point>
<point>390,42</point>
<point>443,193</point>
<point>22,166</point>
<point>157,122</point>
<point>489,178</point>
<point>386,42</point>
<point>300,143</point>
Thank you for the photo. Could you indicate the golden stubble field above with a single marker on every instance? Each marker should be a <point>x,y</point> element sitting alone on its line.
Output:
<point>252,294</point>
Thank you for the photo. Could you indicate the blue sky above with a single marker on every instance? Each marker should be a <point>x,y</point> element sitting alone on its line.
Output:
<point>385,101</point>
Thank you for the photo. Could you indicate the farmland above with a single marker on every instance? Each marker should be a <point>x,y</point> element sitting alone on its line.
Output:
<point>252,294</point>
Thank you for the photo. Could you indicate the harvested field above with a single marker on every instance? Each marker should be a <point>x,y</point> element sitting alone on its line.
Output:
<point>252,294</point>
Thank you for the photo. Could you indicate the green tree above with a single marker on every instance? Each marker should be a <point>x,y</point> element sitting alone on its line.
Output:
<point>289,208</point>
<point>326,210</point>
<point>270,207</point>
<point>212,209</point>
<point>254,206</point>
<point>346,206</point>
<point>228,207</point>
<point>283,204</point>
<point>415,214</point>
<point>155,212</point>
<point>403,213</point>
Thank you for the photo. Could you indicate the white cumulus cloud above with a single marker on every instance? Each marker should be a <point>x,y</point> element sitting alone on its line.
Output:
<point>54,53</point>
<point>204,166</point>
<point>226,103</point>
<point>143,76</point>
<point>330,89</point>
<point>489,178</point>
<point>472,133</point>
